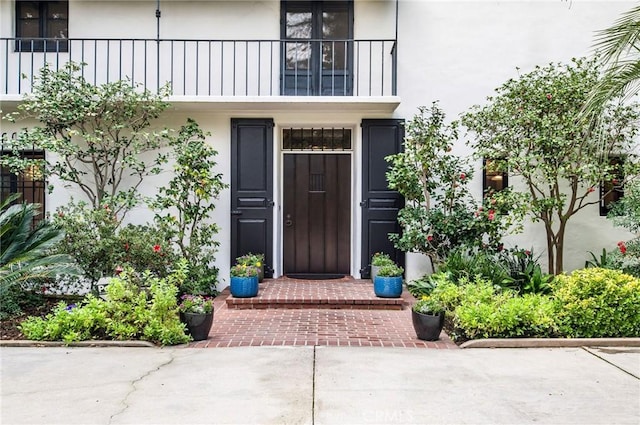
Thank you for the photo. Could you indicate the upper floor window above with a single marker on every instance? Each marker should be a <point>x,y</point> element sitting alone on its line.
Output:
<point>493,176</point>
<point>317,56</point>
<point>42,26</point>
<point>612,190</point>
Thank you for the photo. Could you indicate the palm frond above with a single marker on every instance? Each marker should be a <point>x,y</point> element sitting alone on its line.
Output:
<point>620,39</point>
<point>619,82</point>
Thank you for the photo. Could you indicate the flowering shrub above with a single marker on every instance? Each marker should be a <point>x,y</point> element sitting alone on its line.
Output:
<point>250,259</point>
<point>102,247</point>
<point>241,270</point>
<point>428,305</point>
<point>626,258</point>
<point>195,304</point>
<point>90,238</point>
<point>144,247</point>
<point>440,214</point>
<point>535,124</point>
<point>380,259</point>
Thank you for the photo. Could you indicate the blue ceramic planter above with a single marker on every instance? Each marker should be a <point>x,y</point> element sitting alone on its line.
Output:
<point>387,287</point>
<point>244,287</point>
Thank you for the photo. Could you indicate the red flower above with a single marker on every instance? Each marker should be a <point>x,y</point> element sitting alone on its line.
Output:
<point>118,270</point>
<point>126,247</point>
<point>622,247</point>
<point>549,96</point>
<point>527,253</point>
<point>156,248</point>
<point>429,238</point>
<point>462,176</point>
<point>591,189</point>
<point>492,214</point>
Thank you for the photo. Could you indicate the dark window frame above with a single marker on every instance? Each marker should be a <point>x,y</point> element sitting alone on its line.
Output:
<point>609,191</point>
<point>13,182</point>
<point>315,73</point>
<point>485,176</point>
<point>324,139</point>
<point>44,42</point>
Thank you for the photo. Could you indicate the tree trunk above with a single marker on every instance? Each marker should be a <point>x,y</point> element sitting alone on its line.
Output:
<point>550,247</point>
<point>559,245</point>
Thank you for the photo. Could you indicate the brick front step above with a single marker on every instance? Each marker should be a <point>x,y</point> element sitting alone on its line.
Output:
<point>345,293</point>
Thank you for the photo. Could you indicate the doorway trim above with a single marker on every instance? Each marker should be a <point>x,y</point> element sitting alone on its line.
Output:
<point>279,153</point>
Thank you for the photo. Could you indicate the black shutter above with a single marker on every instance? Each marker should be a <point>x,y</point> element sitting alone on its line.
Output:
<point>380,205</point>
<point>252,189</point>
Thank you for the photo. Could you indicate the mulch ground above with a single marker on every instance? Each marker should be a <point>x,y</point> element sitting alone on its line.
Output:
<point>9,328</point>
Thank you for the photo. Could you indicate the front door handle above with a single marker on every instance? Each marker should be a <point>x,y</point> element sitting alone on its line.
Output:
<point>287,221</point>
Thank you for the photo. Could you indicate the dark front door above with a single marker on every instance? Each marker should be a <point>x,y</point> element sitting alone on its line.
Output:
<point>252,189</point>
<point>317,213</point>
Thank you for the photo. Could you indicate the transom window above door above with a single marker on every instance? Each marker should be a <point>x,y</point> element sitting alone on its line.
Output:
<point>317,54</point>
<point>316,139</point>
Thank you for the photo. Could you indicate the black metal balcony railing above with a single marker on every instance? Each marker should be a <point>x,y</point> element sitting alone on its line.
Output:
<point>212,67</point>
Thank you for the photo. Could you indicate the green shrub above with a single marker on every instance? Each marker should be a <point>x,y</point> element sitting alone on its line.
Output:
<point>479,309</point>
<point>100,245</point>
<point>507,315</point>
<point>380,259</point>
<point>390,270</point>
<point>598,302</point>
<point>426,284</point>
<point>463,264</point>
<point>128,313</point>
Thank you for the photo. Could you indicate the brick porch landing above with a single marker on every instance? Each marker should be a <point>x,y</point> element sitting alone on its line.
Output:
<point>346,293</point>
<point>291,312</point>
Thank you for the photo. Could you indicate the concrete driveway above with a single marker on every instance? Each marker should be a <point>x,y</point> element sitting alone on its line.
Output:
<point>319,385</point>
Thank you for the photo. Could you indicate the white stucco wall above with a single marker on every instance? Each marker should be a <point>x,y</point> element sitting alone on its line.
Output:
<point>456,52</point>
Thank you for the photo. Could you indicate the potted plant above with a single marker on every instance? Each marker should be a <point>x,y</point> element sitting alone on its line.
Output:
<point>388,282</point>
<point>255,260</point>
<point>244,281</point>
<point>378,260</point>
<point>196,311</point>
<point>427,315</point>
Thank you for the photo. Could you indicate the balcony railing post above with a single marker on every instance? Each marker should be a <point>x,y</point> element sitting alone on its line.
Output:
<point>394,69</point>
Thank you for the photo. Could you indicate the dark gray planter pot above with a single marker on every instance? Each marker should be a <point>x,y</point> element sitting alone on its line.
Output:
<point>427,326</point>
<point>198,324</point>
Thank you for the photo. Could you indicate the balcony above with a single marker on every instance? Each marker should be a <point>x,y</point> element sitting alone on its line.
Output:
<point>230,74</point>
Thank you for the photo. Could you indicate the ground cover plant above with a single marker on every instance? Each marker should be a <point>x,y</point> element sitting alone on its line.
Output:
<point>591,302</point>
<point>596,302</point>
<point>136,307</point>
